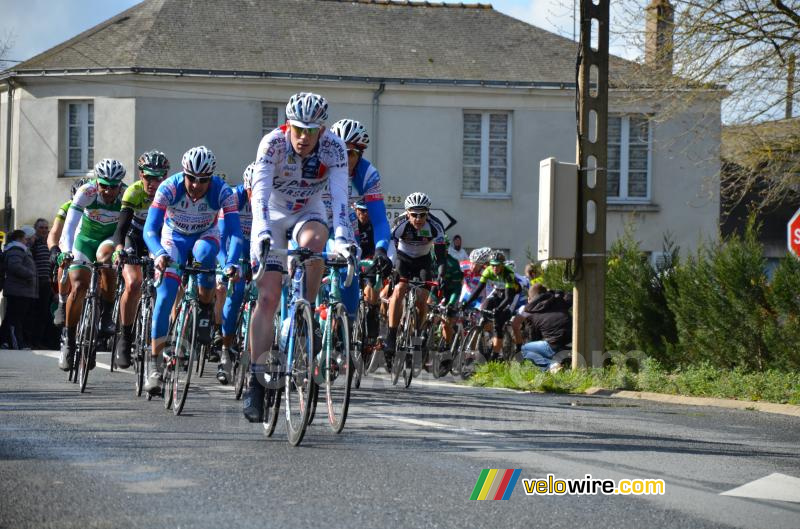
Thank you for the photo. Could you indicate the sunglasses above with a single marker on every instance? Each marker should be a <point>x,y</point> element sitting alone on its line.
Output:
<point>154,178</point>
<point>300,131</point>
<point>107,186</point>
<point>197,179</point>
<point>417,215</point>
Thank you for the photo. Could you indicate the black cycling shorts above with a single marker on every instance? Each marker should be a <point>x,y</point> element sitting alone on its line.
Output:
<point>134,243</point>
<point>411,267</point>
<point>500,317</point>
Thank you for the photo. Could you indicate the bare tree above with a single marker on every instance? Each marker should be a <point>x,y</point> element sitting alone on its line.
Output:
<point>747,47</point>
<point>6,43</point>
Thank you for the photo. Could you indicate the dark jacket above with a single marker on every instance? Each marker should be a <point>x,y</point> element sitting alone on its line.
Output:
<point>20,272</point>
<point>550,318</point>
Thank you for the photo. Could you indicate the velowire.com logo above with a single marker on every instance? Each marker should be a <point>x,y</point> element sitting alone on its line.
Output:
<point>495,484</point>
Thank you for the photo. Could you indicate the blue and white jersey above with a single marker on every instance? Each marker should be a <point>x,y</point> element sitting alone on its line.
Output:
<point>245,211</point>
<point>174,211</point>
<point>285,183</point>
<point>365,183</point>
<point>187,216</point>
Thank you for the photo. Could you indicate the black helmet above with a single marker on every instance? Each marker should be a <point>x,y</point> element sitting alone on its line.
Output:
<point>497,258</point>
<point>153,163</point>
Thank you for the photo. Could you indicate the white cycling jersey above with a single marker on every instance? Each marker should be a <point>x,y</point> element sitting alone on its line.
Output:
<point>284,184</point>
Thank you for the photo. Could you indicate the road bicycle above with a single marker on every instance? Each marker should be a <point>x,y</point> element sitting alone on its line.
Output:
<point>294,377</point>
<point>409,337</point>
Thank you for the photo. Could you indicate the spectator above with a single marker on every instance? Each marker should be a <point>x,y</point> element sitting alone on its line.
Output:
<point>533,271</point>
<point>40,331</point>
<point>456,251</point>
<point>20,290</point>
<point>551,326</point>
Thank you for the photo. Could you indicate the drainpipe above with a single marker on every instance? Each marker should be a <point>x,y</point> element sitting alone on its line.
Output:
<point>374,137</point>
<point>8,217</point>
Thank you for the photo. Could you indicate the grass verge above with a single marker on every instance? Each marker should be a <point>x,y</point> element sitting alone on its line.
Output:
<point>697,381</point>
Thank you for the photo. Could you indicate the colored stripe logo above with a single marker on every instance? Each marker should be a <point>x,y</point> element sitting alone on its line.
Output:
<point>495,484</point>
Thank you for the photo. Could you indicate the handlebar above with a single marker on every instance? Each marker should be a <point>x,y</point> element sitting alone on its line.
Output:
<point>305,254</point>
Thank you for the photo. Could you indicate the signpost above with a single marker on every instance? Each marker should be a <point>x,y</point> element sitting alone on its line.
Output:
<point>793,231</point>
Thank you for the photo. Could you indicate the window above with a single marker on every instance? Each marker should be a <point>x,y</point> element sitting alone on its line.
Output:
<point>272,115</point>
<point>629,141</point>
<point>80,138</point>
<point>487,154</point>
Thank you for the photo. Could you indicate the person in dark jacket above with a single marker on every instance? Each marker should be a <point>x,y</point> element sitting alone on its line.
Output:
<point>20,290</point>
<point>39,329</point>
<point>551,323</point>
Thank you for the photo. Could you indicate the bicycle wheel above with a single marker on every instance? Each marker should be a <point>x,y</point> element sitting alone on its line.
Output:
<point>358,343</point>
<point>473,353</point>
<point>509,350</point>
<point>241,343</point>
<point>314,402</point>
<point>185,352</point>
<point>88,333</point>
<point>457,351</point>
<point>201,364</point>
<point>138,350</point>
<point>272,405</point>
<point>299,380</point>
<point>413,354</point>
<point>115,337</point>
<point>339,369</point>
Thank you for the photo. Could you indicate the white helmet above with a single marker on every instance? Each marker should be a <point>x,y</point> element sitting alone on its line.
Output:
<point>306,110</point>
<point>109,172</point>
<point>247,176</point>
<point>480,255</point>
<point>351,131</point>
<point>418,201</point>
<point>199,161</point>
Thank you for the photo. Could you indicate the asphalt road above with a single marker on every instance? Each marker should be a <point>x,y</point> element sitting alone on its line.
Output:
<point>407,458</point>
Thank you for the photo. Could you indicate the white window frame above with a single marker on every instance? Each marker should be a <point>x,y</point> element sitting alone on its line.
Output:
<point>83,119</point>
<point>484,187</point>
<point>281,115</point>
<point>624,153</point>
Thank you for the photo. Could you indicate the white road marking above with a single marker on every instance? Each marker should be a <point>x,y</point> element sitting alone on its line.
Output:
<point>429,424</point>
<point>778,487</point>
<point>56,354</point>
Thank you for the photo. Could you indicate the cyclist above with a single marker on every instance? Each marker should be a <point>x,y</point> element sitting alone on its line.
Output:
<point>295,162</point>
<point>472,277</point>
<point>230,310</point>
<point>451,289</point>
<point>91,221</point>
<point>52,244</point>
<point>183,220</point>
<point>153,168</point>
<point>372,232</point>
<point>504,297</point>
<point>415,233</point>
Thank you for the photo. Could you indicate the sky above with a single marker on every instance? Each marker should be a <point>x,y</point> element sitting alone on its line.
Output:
<point>34,26</point>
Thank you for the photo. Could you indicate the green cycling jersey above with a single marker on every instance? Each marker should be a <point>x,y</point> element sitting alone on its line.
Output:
<point>98,219</point>
<point>136,198</point>
<point>504,279</point>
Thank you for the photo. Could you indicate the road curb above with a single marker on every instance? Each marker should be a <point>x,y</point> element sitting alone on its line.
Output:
<point>768,407</point>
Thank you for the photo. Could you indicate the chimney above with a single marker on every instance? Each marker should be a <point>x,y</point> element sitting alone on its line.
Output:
<point>659,23</point>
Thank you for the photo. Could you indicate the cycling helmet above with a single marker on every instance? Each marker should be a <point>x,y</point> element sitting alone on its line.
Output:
<point>417,201</point>
<point>153,163</point>
<point>109,172</point>
<point>480,255</point>
<point>497,257</point>
<point>360,204</point>
<point>77,184</point>
<point>199,161</point>
<point>351,131</point>
<point>306,110</point>
<point>247,176</point>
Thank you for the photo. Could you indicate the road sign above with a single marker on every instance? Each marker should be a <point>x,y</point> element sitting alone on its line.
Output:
<point>793,229</point>
<point>442,215</point>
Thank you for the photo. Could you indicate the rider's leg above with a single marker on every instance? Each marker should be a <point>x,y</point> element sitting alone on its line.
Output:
<point>108,283</point>
<point>79,278</point>
<point>313,235</point>
<point>127,313</point>
<point>165,297</point>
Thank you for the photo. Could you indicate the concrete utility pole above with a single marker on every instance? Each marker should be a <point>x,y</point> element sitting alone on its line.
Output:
<point>588,334</point>
<point>790,85</point>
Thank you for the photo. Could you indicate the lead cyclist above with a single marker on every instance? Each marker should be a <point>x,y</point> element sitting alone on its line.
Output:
<point>293,165</point>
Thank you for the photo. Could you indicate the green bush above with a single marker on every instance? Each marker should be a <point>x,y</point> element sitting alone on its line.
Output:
<point>637,316</point>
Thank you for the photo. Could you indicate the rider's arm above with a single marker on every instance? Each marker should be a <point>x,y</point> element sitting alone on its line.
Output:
<point>83,197</point>
<point>55,233</point>
<point>222,256</point>
<point>232,230</point>
<point>125,219</point>
<point>373,198</point>
<point>475,293</point>
<point>155,217</point>
<point>270,150</point>
<point>338,180</point>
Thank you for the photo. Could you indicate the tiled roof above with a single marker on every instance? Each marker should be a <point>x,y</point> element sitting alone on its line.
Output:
<point>361,38</point>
